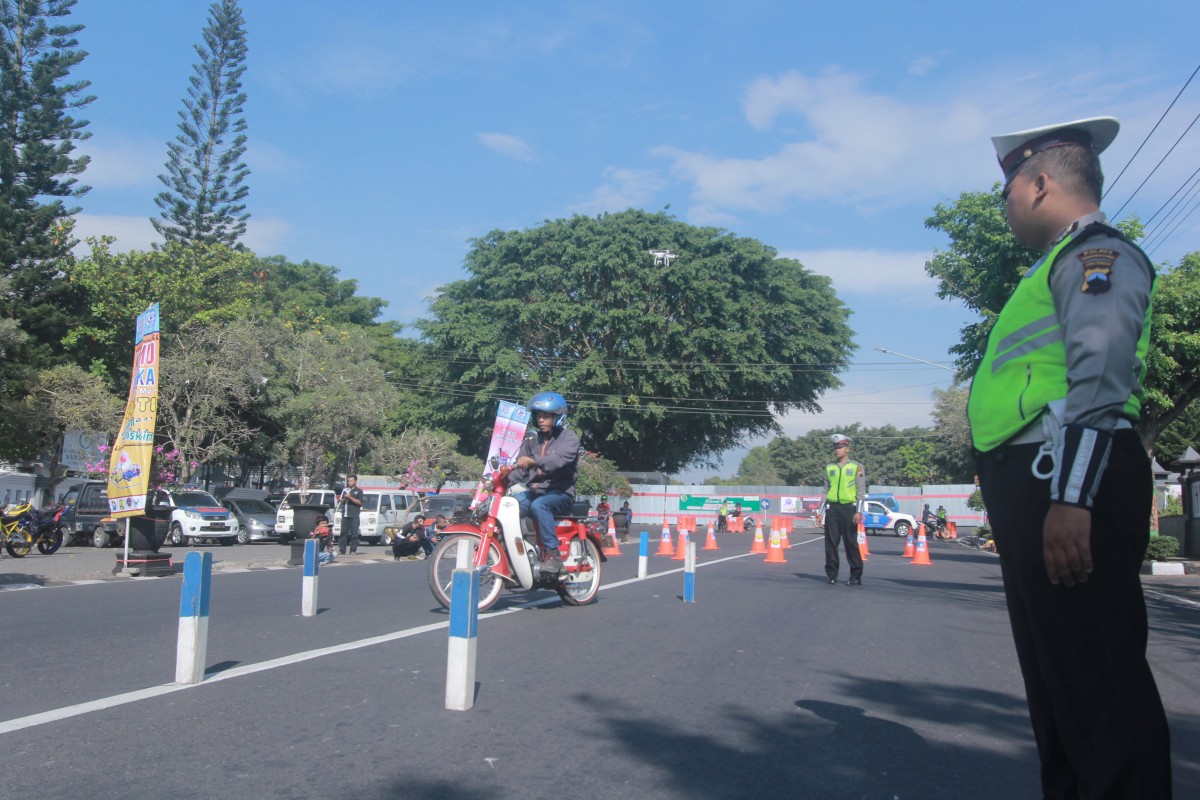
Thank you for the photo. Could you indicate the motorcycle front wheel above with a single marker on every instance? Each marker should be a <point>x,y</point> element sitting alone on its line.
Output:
<point>579,586</point>
<point>50,543</point>
<point>442,563</point>
<point>18,544</point>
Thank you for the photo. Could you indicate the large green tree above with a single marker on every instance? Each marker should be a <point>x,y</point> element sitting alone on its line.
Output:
<point>200,283</point>
<point>38,169</point>
<point>984,262</point>
<point>664,361</point>
<point>205,178</point>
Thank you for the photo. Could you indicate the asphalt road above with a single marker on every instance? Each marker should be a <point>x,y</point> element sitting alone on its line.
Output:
<point>773,684</point>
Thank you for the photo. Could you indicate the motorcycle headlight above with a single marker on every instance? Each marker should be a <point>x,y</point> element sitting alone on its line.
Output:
<point>488,484</point>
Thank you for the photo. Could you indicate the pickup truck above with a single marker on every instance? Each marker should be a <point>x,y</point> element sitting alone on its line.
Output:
<point>86,516</point>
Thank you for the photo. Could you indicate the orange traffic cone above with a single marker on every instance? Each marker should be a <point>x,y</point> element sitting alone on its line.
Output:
<point>910,548</point>
<point>665,547</point>
<point>612,548</point>
<point>760,545</point>
<point>775,554</point>
<point>681,544</point>
<point>864,550</point>
<point>711,542</point>
<point>952,530</point>
<point>922,555</point>
<point>785,525</point>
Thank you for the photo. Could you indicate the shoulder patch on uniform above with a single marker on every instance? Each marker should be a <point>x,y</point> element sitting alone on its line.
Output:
<point>1097,266</point>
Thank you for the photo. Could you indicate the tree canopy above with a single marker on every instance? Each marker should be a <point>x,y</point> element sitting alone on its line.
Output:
<point>664,361</point>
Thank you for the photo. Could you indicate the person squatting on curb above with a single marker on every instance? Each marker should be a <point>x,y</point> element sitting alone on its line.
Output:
<point>1065,479</point>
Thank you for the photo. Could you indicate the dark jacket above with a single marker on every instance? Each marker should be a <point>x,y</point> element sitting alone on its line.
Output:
<point>557,457</point>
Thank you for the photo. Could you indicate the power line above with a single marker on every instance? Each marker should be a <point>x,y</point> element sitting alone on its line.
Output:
<point>1182,186</point>
<point>1161,227</point>
<point>1148,135</point>
<point>1177,224</point>
<point>1159,164</point>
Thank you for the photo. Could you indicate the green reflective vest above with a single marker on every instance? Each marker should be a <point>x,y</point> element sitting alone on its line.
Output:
<point>842,486</point>
<point>1025,364</point>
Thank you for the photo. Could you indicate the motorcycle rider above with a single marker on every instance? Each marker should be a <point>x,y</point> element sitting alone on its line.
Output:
<point>547,463</point>
<point>603,510</point>
<point>928,519</point>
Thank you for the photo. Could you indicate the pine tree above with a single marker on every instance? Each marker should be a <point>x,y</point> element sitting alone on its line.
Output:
<point>37,135</point>
<point>205,180</point>
<point>37,168</point>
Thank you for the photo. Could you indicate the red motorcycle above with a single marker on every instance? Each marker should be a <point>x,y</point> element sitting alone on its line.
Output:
<point>508,557</point>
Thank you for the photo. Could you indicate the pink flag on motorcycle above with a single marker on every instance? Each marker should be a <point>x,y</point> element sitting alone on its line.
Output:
<point>507,433</point>
<point>129,464</point>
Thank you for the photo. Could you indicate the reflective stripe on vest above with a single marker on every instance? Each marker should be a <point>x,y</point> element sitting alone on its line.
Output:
<point>1025,364</point>
<point>842,482</point>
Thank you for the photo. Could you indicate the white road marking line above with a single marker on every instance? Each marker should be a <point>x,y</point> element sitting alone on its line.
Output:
<point>1164,596</point>
<point>67,712</point>
<point>17,587</point>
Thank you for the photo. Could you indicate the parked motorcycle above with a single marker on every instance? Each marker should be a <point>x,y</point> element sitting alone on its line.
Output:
<point>510,558</point>
<point>42,526</point>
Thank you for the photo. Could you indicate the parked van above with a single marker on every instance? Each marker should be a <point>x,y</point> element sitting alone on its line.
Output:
<point>284,526</point>
<point>381,508</point>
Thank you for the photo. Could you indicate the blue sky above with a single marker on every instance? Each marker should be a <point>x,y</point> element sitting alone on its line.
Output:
<point>385,135</point>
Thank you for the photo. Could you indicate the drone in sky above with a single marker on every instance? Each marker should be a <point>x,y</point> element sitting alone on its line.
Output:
<point>663,258</point>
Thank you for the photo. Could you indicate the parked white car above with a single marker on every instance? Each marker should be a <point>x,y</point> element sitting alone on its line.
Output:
<point>196,514</point>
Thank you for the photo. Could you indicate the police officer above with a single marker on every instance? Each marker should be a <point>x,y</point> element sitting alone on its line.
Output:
<point>1066,482</point>
<point>845,484</point>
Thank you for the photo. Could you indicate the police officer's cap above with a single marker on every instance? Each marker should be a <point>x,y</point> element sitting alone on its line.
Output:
<point>838,438</point>
<point>1014,149</point>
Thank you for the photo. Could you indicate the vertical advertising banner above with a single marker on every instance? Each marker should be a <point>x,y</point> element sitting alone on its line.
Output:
<point>507,433</point>
<point>129,465</point>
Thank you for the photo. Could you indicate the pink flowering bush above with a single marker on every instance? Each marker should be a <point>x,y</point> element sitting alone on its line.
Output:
<point>166,467</point>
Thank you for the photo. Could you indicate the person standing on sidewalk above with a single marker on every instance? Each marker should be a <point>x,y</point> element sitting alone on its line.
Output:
<point>1064,476</point>
<point>350,503</point>
<point>845,485</point>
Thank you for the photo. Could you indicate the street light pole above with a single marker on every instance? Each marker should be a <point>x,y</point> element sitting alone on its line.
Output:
<point>914,358</point>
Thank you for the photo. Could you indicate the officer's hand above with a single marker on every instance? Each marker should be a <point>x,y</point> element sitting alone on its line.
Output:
<point>1067,544</point>
<point>857,517</point>
<point>525,462</point>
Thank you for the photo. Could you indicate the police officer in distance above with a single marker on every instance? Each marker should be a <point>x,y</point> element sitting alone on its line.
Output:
<point>845,485</point>
<point>1064,477</point>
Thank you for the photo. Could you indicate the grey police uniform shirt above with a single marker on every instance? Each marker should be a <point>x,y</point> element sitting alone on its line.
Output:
<point>1101,325</point>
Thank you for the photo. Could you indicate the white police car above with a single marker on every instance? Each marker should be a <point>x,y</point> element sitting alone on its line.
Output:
<point>197,515</point>
<point>878,517</point>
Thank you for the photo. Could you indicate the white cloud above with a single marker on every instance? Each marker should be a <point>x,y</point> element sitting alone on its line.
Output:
<point>857,146</point>
<point>506,145</point>
<point>622,189</point>
<point>132,233</point>
<point>123,163</point>
<point>869,270</point>
<point>266,236</point>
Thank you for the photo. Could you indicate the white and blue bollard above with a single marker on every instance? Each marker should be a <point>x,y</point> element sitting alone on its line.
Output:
<point>308,594</point>
<point>643,554</point>
<point>464,628</point>
<point>191,649</point>
<point>689,573</point>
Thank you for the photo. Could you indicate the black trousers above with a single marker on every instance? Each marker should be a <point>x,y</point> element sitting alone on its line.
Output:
<point>1096,713</point>
<point>349,535</point>
<point>840,529</point>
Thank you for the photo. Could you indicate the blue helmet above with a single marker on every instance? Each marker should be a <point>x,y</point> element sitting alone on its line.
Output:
<point>550,402</point>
